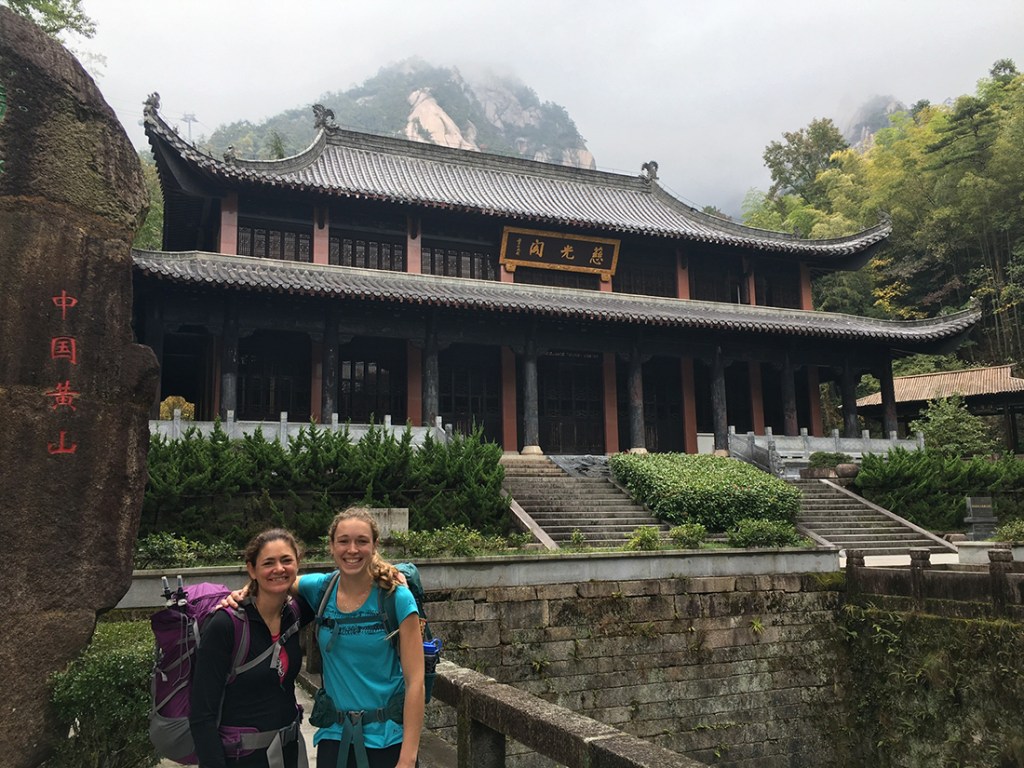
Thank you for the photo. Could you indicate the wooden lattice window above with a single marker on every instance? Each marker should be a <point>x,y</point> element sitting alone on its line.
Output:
<point>459,261</point>
<point>367,251</point>
<point>267,241</point>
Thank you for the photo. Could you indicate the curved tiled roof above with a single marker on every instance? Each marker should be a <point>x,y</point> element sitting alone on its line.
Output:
<point>972,382</point>
<point>357,165</point>
<point>268,275</point>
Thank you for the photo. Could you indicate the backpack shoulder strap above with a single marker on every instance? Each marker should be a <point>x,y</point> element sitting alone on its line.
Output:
<point>240,623</point>
<point>273,650</point>
<point>326,595</point>
<point>388,609</point>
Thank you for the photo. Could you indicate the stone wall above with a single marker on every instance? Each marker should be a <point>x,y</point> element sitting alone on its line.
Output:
<point>74,390</point>
<point>733,671</point>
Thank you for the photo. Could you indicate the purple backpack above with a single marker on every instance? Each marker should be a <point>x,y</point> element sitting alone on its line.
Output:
<point>176,629</point>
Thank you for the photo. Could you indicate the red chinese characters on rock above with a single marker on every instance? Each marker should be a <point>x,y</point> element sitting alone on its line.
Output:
<point>63,347</point>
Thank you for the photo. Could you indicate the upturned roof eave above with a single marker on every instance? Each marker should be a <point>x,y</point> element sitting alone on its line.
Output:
<point>834,253</point>
<point>267,275</point>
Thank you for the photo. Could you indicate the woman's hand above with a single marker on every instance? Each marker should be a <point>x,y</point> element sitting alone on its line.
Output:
<point>234,598</point>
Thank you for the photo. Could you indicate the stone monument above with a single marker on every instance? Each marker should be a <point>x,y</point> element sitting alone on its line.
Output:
<point>75,392</point>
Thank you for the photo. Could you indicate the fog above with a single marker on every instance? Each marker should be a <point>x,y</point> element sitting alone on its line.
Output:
<point>700,87</point>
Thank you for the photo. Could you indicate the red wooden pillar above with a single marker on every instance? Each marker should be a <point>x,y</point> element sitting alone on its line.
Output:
<point>321,235</point>
<point>611,411</point>
<point>413,246</point>
<point>814,398</point>
<point>228,241</point>
<point>805,288</point>
<point>682,276</point>
<point>414,384</point>
<point>689,406</point>
<point>509,422</point>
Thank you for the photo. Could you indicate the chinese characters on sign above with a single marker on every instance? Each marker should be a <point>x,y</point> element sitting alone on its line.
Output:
<point>551,250</point>
<point>62,395</point>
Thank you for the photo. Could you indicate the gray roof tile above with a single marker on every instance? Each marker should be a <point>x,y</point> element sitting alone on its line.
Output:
<point>267,275</point>
<point>350,164</point>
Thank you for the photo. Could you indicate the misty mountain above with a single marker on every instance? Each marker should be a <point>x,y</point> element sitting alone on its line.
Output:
<point>420,102</point>
<point>871,117</point>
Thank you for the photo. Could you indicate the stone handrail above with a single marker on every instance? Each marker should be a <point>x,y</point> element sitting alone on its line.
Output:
<point>782,454</point>
<point>282,430</point>
<point>490,712</point>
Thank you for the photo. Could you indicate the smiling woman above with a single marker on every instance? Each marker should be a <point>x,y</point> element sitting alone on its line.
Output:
<point>370,710</point>
<point>259,695</point>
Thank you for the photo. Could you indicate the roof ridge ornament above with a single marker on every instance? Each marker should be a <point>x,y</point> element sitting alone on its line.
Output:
<point>323,118</point>
<point>229,154</point>
<point>152,104</point>
<point>649,171</point>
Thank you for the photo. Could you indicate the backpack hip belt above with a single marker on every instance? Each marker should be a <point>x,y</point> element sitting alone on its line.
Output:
<point>274,743</point>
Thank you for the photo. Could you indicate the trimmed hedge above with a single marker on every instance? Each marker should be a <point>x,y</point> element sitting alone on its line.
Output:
<point>713,491</point>
<point>930,488</point>
<point>213,488</point>
<point>103,699</point>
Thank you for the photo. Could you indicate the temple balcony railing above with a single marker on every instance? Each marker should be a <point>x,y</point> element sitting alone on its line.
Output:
<point>785,455</point>
<point>283,430</point>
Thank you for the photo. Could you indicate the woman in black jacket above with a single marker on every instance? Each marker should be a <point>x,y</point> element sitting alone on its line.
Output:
<point>243,712</point>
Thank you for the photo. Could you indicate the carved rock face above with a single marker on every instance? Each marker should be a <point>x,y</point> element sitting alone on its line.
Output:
<point>74,390</point>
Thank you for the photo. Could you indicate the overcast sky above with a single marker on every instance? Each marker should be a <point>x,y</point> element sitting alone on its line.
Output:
<point>700,86</point>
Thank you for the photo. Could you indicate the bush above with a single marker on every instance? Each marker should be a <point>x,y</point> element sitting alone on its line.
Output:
<point>929,487</point>
<point>164,550</point>
<point>645,538</point>
<point>450,541</point>
<point>763,533</point>
<point>713,491</point>
<point>828,459</point>
<point>688,535</point>
<point>951,429</point>
<point>1012,531</point>
<point>103,698</point>
<point>208,489</point>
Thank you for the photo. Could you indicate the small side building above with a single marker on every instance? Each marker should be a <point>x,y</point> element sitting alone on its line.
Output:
<point>562,310</point>
<point>992,391</point>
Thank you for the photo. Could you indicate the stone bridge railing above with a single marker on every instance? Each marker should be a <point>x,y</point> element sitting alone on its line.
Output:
<point>490,713</point>
<point>959,591</point>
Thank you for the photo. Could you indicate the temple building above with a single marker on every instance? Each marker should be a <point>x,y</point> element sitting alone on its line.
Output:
<point>562,310</point>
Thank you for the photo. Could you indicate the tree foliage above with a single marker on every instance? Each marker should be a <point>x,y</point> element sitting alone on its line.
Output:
<point>951,180</point>
<point>55,17</point>
<point>952,430</point>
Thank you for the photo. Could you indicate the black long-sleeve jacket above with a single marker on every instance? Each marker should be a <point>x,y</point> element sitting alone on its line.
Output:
<point>258,698</point>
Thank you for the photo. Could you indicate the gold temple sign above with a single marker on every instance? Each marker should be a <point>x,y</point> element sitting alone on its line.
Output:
<point>551,250</point>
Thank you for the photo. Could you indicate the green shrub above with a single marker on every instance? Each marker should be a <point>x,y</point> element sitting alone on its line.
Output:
<point>828,459</point>
<point>688,535</point>
<point>102,698</point>
<point>164,550</point>
<point>951,429</point>
<point>450,541</point>
<point>713,491</point>
<point>211,489</point>
<point>577,539</point>
<point>646,538</point>
<point>930,488</point>
<point>763,533</point>
<point>1012,531</point>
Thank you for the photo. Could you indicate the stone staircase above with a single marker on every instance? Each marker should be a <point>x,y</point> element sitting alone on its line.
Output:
<point>849,522</point>
<point>561,503</point>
